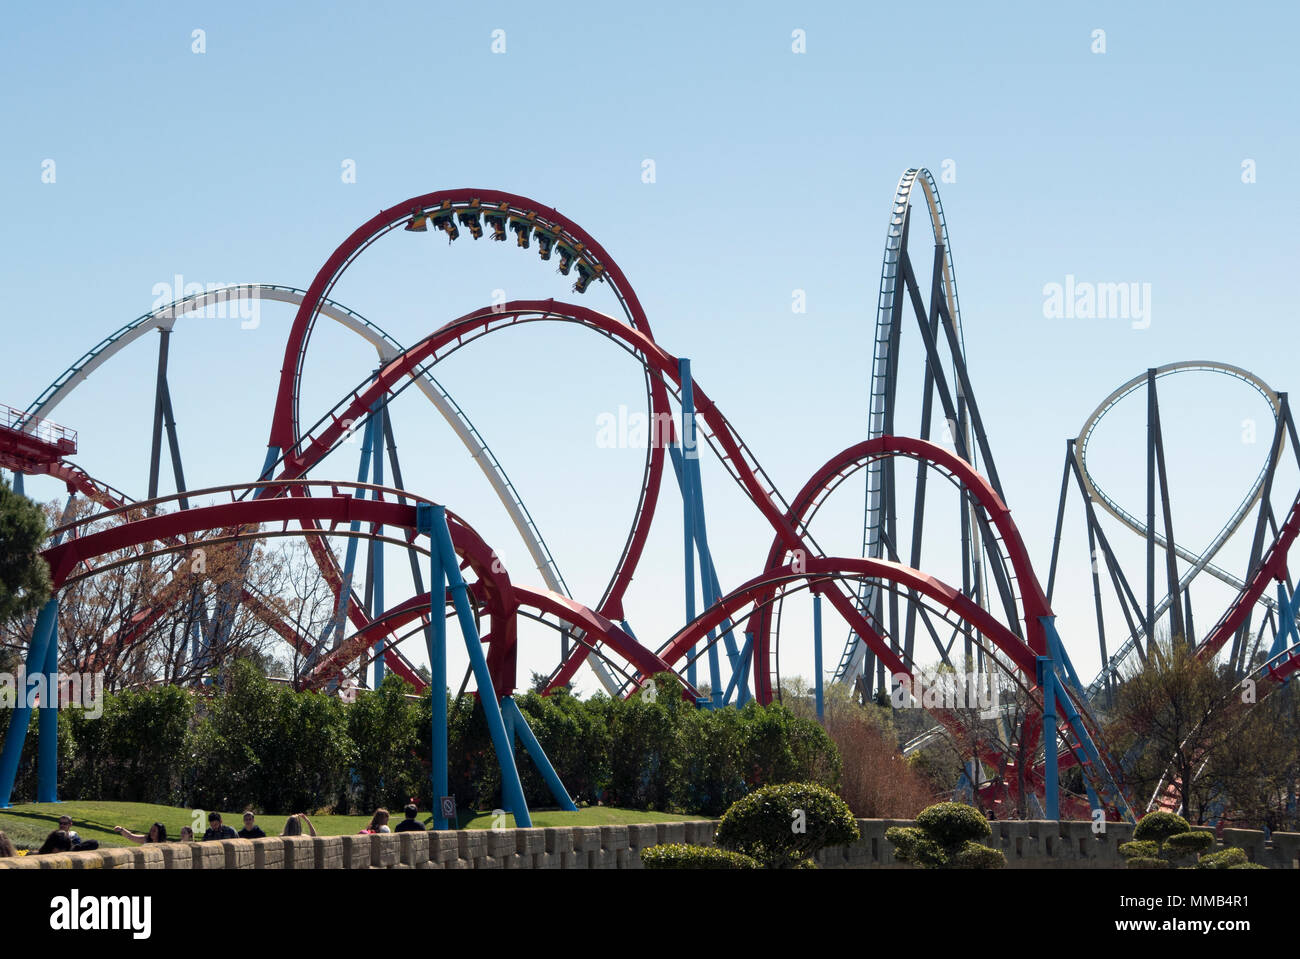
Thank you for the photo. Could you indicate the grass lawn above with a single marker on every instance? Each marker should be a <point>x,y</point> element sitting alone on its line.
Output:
<point>28,825</point>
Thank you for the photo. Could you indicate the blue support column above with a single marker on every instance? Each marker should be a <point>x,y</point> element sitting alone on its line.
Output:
<point>437,638</point>
<point>688,504</point>
<point>377,570</point>
<point>518,724</point>
<point>818,691</point>
<point>337,625</point>
<point>1051,796</point>
<point>46,621</point>
<point>1091,753</point>
<point>511,788</point>
<point>18,484</point>
<point>47,759</point>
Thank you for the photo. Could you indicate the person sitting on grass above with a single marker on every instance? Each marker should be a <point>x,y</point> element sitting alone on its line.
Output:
<point>157,833</point>
<point>6,846</point>
<point>293,825</point>
<point>378,823</point>
<point>56,841</point>
<point>78,844</point>
<point>410,823</point>
<point>216,830</point>
<point>251,829</point>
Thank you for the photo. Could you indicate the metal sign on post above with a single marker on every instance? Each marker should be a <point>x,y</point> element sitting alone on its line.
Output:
<point>448,806</point>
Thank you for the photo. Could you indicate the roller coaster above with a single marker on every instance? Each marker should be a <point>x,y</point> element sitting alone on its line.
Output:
<point>926,505</point>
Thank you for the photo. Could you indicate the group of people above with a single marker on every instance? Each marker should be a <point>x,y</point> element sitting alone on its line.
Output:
<point>293,826</point>
<point>66,839</point>
<point>379,821</point>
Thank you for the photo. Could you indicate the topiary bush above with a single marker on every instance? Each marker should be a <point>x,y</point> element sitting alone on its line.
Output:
<point>1189,843</point>
<point>1159,826</point>
<point>783,826</point>
<point>1226,859</point>
<point>946,837</point>
<point>682,856</point>
<point>1146,849</point>
<point>1163,840</point>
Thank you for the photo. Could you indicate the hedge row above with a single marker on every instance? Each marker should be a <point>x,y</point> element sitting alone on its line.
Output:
<point>258,743</point>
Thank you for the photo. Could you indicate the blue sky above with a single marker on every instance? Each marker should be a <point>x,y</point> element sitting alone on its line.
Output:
<point>774,173</point>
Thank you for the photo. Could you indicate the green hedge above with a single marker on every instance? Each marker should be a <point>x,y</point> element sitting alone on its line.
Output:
<point>682,856</point>
<point>251,742</point>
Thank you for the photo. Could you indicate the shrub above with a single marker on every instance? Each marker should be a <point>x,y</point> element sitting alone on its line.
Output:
<point>781,826</point>
<point>1223,860</point>
<point>1159,826</point>
<point>1189,843</point>
<point>975,856</point>
<point>1248,865</point>
<point>950,824</point>
<point>682,856</point>
<point>1143,862</point>
<point>944,837</point>
<point>1143,849</point>
<point>914,846</point>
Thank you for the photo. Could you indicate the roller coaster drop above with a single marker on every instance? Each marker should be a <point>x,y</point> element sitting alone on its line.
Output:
<point>1005,624</point>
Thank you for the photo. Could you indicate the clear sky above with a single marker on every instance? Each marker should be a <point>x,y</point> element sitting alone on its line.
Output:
<point>774,172</point>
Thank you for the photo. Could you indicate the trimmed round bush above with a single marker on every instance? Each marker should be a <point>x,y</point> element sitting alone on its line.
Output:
<point>975,856</point>
<point>951,823</point>
<point>1147,849</point>
<point>1189,843</point>
<point>1248,865</point>
<point>912,845</point>
<point>1223,860</point>
<point>682,856</point>
<point>1159,826</point>
<point>1142,862</point>
<point>781,826</point>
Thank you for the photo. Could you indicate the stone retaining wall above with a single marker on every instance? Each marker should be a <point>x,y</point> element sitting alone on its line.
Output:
<point>1027,845</point>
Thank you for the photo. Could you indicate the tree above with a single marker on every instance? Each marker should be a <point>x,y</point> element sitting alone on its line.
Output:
<point>1174,715</point>
<point>137,617</point>
<point>946,836</point>
<point>24,576</point>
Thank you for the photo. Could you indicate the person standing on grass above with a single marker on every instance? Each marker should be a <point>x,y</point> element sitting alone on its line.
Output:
<point>251,829</point>
<point>216,830</point>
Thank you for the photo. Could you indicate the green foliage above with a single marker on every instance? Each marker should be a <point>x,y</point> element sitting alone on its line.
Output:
<point>950,824</point>
<point>783,825</point>
<point>134,751</point>
<point>1144,849</point>
<point>944,837</point>
<point>1159,826</point>
<point>24,575</point>
<point>384,726</point>
<point>1223,860</point>
<point>682,856</point>
<point>973,855</point>
<point>1142,862</point>
<point>912,845</point>
<point>575,737</point>
<point>1248,865</point>
<point>271,748</point>
<point>1189,843</point>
